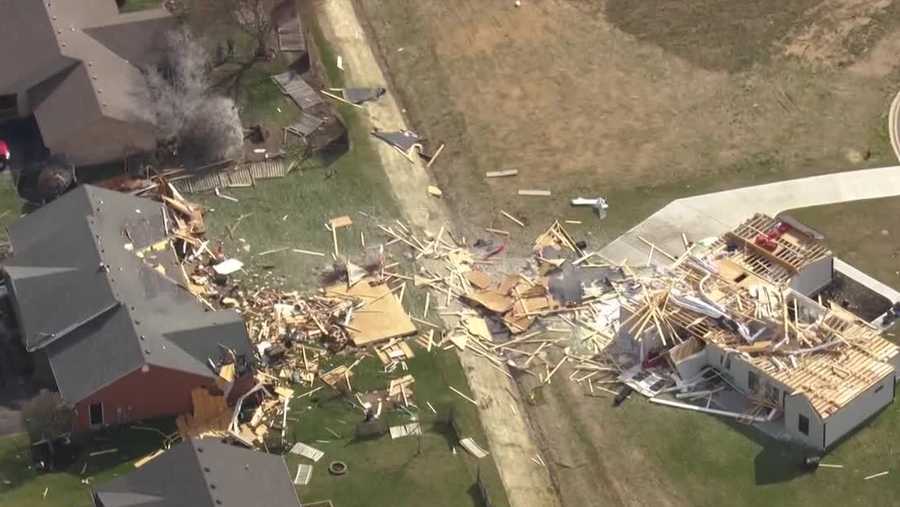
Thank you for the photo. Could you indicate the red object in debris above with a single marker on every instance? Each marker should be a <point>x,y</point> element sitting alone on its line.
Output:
<point>495,251</point>
<point>782,228</point>
<point>766,241</point>
<point>4,150</point>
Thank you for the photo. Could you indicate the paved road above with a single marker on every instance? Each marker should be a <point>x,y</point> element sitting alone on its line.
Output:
<point>510,439</point>
<point>712,214</point>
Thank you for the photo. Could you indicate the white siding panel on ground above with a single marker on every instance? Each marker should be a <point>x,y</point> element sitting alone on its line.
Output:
<point>859,410</point>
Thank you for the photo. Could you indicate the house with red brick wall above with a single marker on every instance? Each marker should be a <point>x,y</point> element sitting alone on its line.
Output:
<point>100,302</point>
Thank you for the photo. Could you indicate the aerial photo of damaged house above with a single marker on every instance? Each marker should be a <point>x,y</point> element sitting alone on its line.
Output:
<point>465,253</point>
<point>746,307</point>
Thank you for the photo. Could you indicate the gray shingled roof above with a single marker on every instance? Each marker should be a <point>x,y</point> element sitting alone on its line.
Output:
<point>80,60</point>
<point>96,308</point>
<point>204,473</point>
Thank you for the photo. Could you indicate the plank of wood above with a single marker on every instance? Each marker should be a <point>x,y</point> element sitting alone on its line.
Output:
<point>470,400</point>
<point>501,174</point>
<point>512,218</point>
<point>308,252</point>
<point>435,156</point>
<point>340,99</point>
<point>535,193</point>
<point>338,222</point>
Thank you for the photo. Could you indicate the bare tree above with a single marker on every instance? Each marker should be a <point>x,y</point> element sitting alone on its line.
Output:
<point>254,17</point>
<point>47,417</point>
<point>201,126</point>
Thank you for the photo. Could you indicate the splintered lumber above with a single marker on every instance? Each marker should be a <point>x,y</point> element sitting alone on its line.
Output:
<point>535,193</point>
<point>879,474</point>
<point>384,317</point>
<point>695,408</point>
<point>338,222</point>
<point>340,99</point>
<point>307,252</point>
<point>435,156</point>
<point>470,400</point>
<point>512,218</point>
<point>501,174</point>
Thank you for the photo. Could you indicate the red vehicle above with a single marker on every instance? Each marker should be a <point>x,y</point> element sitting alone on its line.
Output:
<point>4,155</point>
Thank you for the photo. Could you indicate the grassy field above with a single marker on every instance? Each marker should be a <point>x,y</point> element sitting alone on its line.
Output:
<point>139,5</point>
<point>21,486</point>
<point>863,233</point>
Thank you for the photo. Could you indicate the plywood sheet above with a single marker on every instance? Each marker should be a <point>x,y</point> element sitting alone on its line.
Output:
<point>382,318</point>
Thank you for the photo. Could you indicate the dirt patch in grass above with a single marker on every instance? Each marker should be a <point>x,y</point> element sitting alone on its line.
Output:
<point>559,91</point>
<point>711,34</point>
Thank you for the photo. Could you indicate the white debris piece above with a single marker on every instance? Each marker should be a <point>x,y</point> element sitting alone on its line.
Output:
<point>228,267</point>
<point>307,451</point>
<point>405,430</point>
<point>304,473</point>
<point>473,448</point>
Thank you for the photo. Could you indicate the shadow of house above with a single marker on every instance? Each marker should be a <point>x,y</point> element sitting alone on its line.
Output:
<point>98,299</point>
<point>76,68</point>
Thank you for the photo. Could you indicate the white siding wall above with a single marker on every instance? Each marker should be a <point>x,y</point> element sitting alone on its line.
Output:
<point>690,366</point>
<point>794,407</point>
<point>814,277</point>
<point>857,411</point>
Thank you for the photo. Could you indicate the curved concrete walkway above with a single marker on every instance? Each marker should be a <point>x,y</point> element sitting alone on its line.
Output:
<point>713,214</point>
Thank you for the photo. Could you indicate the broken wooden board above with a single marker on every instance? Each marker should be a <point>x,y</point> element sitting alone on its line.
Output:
<point>491,300</point>
<point>381,318</point>
<point>479,279</point>
<point>338,222</point>
<point>210,415</point>
<point>477,326</point>
<point>501,174</point>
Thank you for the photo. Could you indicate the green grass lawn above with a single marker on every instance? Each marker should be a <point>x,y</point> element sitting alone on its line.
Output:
<point>862,233</point>
<point>395,472</point>
<point>139,5</point>
<point>714,462</point>
<point>22,486</point>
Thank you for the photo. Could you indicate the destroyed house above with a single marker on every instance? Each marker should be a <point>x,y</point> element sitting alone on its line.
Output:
<point>98,295</point>
<point>815,369</point>
<point>76,66</point>
<point>203,473</point>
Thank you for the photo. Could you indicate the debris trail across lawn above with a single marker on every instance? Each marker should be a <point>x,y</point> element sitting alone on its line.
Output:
<point>508,432</point>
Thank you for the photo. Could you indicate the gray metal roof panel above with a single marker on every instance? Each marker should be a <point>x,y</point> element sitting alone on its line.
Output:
<point>200,471</point>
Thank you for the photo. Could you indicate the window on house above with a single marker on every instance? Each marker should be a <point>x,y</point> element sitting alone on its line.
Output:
<point>96,414</point>
<point>8,106</point>
<point>803,424</point>
<point>752,381</point>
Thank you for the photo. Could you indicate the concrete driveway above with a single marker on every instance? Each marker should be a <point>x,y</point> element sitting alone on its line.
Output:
<point>713,214</point>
